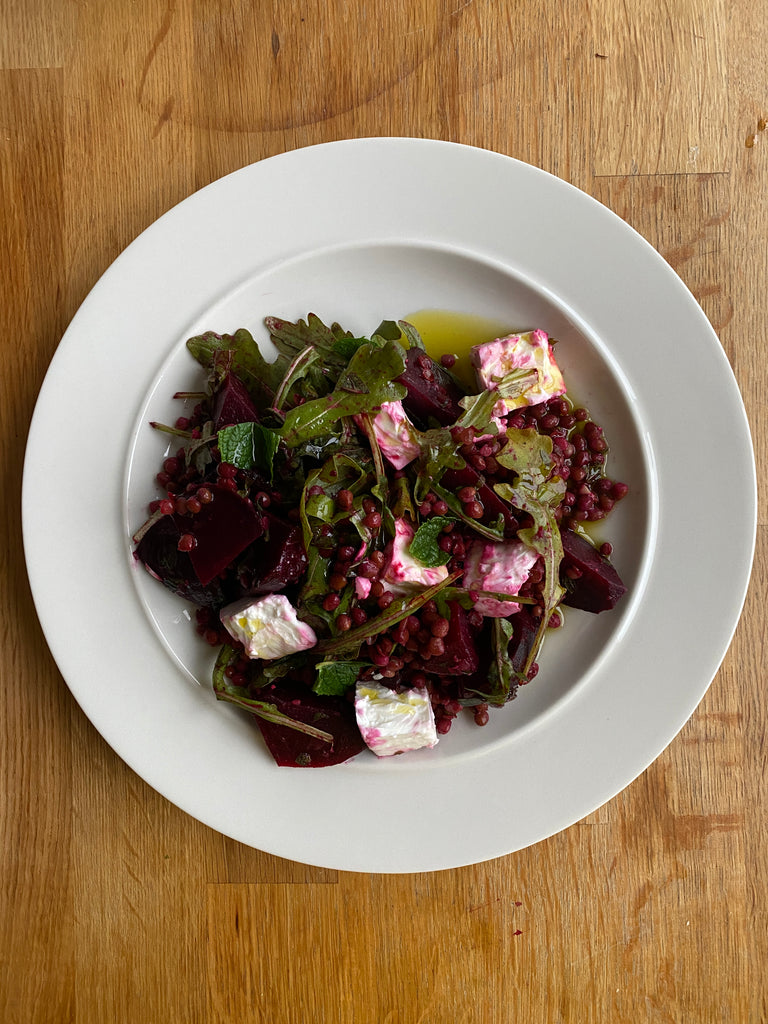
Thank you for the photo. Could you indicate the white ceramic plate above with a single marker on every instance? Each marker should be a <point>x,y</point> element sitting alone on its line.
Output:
<point>358,231</point>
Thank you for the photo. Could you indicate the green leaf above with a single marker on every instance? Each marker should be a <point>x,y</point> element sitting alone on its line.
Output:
<point>388,330</point>
<point>297,371</point>
<point>424,546</point>
<point>290,338</point>
<point>478,408</point>
<point>502,679</point>
<point>335,678</point>
<point>345,348</point>
<point>400,500</point>
<point>493,531</point>
<point>538,491</point>
<point>349,469</point>
<point>438,452</point>
<point>411,335</point>
<point>373,371</point>
<point>249,445</point>
<point>243,357</point>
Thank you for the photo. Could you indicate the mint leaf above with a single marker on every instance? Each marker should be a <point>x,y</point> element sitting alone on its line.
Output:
<point>345,348</point>
<point>249,445</point>
<point>334,678</point>
<point>424,546</point>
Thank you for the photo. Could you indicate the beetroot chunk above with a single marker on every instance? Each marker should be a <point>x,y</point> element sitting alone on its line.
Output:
<point>460,657</point>
<point>293,749</point>
<point>221,530</point>
<point>432,393</point>
<point>274,560</point>
<point>597,586</point>
<point>232,403</point>
<point>158,552</point>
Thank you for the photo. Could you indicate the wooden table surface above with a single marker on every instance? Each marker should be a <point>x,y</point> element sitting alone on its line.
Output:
<point>117,907</point>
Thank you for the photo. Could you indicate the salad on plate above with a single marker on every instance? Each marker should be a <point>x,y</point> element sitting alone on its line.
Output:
<point>373,546</point>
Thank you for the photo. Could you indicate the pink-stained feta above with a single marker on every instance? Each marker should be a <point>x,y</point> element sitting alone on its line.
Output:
<point>395,434</point>
<point>401,569</point>
<point>362,587</point>
<point>499,566</point>
<point>529,351</point>
<point>393,723</point>
<point>268,627</point>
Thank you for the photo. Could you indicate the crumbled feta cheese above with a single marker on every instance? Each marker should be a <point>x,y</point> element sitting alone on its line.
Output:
<point>393,723</point>
<point>529,351</point>
<point>395,434</point>
<point>362,587</point>
<point>502,567</point>
<point>268,627</point>
<point>402,568</point>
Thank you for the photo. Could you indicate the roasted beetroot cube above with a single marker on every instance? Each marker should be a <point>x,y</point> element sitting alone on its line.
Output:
<point>460,656</point>
<point>158,552</point>
<point>293,749</point>
<point>596,586</point>
<point>275,560</point>
<point>232,403</point>
<point>222,530</point>
<point>432,393</point>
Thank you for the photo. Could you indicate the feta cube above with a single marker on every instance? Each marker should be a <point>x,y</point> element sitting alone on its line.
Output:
<point>268,627</point>
<point>395,434</point>
<point>402,568</point>
<point>502,567</point>
<point>529,351</point>
<point>393,723</point>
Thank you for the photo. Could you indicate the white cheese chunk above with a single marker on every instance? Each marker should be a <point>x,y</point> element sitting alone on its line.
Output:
<point>395,434</point>
<point>529,351</point>
<point>393,723</point>
<point>501,567</point>
<point>402,568</point>
<point>268,627</point>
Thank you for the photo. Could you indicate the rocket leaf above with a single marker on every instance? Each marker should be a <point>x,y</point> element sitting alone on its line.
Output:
<point>371,373</point>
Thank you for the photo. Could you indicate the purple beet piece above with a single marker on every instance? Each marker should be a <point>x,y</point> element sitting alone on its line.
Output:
<point>222,530</point>
<point>525,628</point>
<point>158,552</point>
<point>293,749</point>
<point>432,393</point>
<point>599,586</point>
<point>275,560</point>
<point>494,507</point>
<point>232,403</point>
<point>460,656</point>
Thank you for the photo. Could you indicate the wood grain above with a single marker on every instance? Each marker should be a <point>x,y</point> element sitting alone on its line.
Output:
<point>115,905</point>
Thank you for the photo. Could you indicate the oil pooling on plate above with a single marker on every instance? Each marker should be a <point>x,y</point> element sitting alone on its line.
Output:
<point>444,330</point>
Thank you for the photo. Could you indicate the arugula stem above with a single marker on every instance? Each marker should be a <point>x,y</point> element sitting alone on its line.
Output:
<point>170,430</point>
<point>396,612</point>
<point>305,358</point>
